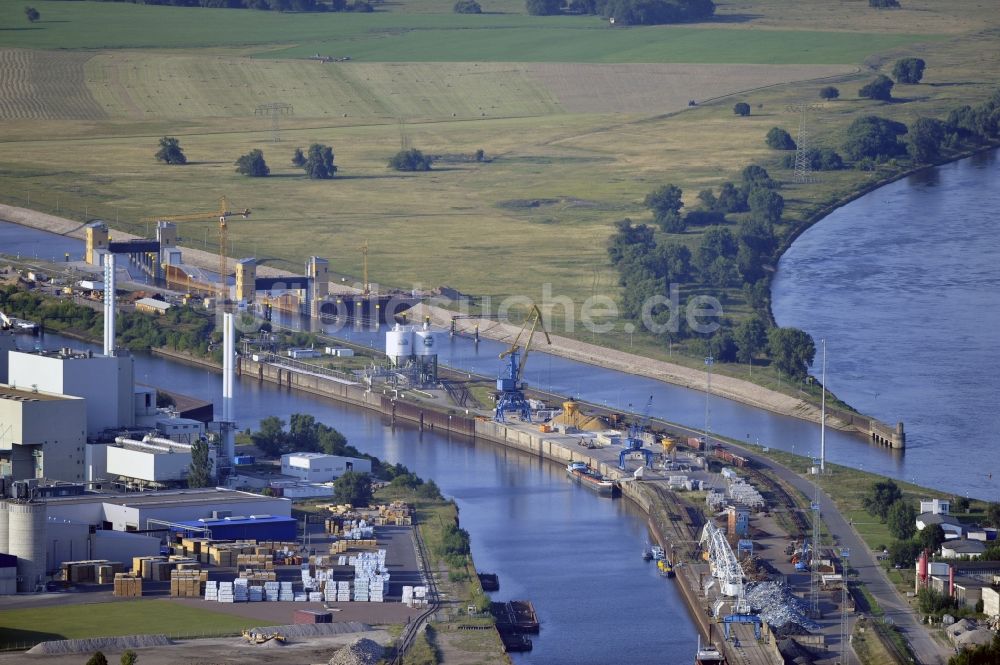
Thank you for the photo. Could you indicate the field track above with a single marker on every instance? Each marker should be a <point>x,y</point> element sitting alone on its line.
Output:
<point>45,85</point>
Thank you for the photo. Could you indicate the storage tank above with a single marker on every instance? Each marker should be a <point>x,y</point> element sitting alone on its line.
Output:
<point>399,343</point>
<point>4,520</point>
<point>425,342</point>
<point>27,541</point>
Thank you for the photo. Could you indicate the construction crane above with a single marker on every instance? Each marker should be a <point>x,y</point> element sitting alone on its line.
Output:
<point>510,382</point>
<point>634,442</point>
<point>223,214</point>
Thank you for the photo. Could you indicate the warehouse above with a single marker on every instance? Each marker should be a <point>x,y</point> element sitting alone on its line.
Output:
<point>43,434</point>
<point>255,527</point>
<point>320,468</point>
<point>153,461</point>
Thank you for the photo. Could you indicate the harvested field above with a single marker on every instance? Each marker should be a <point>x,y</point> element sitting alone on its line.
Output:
<point>45,85</point>
<point>661,88</point>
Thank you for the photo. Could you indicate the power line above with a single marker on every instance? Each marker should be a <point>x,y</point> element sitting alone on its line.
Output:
<point>274,111</point>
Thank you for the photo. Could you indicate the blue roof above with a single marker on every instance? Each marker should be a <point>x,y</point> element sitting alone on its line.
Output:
<point>210,522</point>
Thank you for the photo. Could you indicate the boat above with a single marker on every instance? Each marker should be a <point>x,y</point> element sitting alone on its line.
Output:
<point>595,480</point>
<point>657,553</point>
<point>647,555</point>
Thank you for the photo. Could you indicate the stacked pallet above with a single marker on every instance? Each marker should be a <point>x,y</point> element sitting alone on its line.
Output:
<point>225,594</point>
<point>255,594</point>
<point>241,590</point>
<point>396,513</point>
<point>255,577</point>
<point>127,585</point>
<point>255,561</point>
<point>285,592</point>
<point>188,583</point>
<point>271,591</point>
<point>100,571</point>
<point>212,591</point>
<point>155,568</point>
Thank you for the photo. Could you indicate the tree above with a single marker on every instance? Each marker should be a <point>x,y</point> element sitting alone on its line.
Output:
<point>961,504</point>
<point>883,4</point>
<point>828,92</point>
<point>875,138</point>
<point>200,472</point>
<point>993,514</point>
<point>98,659</point>
<point>353,488</point>
<point>319,162</point>
<point>411,160</point>
<point>170,151</point>
<point>717,242</point>
<point>298,159</point>
<point>468,7</point>
<point>880,497</point>
<point>271,436</point>
<point>741,109</point>
<point>779,139</point>
<point>129,657</point>
<point>926,138</point>
<point>880,88</point>
<point>984,654</point>
<point>908,70</point>
<point>429,490</point>
<point>904,553</point>
<point>751,338</point>
<point>757,176</point>
<point>722,346</point>
<point>766,205</point>
<point>732,198</point>
<point>901,520</point>
<point>32,14</point>
<point>792,350</point>
<point>931,537</point>
<point>543,7</point>
<point>252,164</point>
<point>665,202</point>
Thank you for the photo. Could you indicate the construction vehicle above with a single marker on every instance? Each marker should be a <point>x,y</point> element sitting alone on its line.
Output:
<point>634,442</point>
<point>222,214</point>
<point>510,382</point>
<point>253,636</point>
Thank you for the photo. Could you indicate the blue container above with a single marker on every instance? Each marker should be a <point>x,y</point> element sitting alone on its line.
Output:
<point>241,460</point>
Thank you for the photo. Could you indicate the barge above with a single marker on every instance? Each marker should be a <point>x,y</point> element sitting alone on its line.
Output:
<point>590,478</point>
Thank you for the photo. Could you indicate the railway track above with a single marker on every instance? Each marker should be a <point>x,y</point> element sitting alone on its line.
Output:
<point>413,628</point>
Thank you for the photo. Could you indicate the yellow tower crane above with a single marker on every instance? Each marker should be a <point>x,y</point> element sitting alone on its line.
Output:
<point>223,213</point>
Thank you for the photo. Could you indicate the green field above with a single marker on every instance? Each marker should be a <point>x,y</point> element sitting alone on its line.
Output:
<point>406,37</point>
<point>133,617</point>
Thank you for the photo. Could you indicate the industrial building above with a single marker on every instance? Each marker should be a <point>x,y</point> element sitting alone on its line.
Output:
<point>106,382</point>
<point>253,527</point>
<point>321,468</point>
<point>44,532</point>
<point>153,462</point>
<point>42,434</point>
<point>950,525</point>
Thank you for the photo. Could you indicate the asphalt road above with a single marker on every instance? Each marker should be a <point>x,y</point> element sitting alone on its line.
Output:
<point>895,606</point>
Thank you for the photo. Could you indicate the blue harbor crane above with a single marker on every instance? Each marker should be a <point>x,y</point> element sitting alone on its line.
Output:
<point>634,442</point>
<point>510,382</point>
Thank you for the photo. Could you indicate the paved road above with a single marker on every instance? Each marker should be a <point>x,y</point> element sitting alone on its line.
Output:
<point>895,606</point>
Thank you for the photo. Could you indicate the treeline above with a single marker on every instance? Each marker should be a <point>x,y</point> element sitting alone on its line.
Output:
<point>180,328</point>
<point>628,12</point>
<point>265,5</point>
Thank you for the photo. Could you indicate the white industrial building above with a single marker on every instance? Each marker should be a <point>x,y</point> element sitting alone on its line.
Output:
<point>935,506</point>
<point>42,435</point>
<point>44,533</point>
<point>321,468</point>
<point>106,382</point>
<point>153,461</point>
<point>7,343</point>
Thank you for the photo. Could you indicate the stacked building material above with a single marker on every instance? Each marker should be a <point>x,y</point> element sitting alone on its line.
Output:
<point>188,583</point>
<point>271,591</point>
<point>255,594</point>
<point>225,594</point>
<point>99,571</point>
<point>285,592</point>
<point>241,593</point>
<point>258,576</point>
<point>127,585</point>
<point>212,591</point>
<point>370,576</point>
<point>256,561</point>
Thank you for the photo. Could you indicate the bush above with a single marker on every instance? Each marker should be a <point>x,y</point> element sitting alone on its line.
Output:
<point>468,7</point>
<point>779,139</point>
<point>909,70</point>
<point>741,109</point>
<point>829,92</point>
<point>252,164</point>
<point>818,159</point>
<point>883,4</point>
<point>411,160</point>
<point>170,151</point>
<point>543,7</point>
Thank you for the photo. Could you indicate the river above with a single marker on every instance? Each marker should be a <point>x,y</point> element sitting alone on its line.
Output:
<point>904,285</point>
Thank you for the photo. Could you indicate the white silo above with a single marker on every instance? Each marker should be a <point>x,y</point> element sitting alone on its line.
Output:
<point>4,521</point>
<point>27,541</point>
<point>399,344</point>
<point>425,342</point>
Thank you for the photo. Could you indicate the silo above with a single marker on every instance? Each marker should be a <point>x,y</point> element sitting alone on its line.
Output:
<point>425,342</point>
<point>399,343</point>
<point>27,541</point>
<point>4,542</point>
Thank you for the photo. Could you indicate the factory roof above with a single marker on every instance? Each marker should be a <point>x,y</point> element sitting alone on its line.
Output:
<point>961,546</point>
<point>933,518</point>
<point>236,521</point>
<point>201,496</point>
<point>15,394</point>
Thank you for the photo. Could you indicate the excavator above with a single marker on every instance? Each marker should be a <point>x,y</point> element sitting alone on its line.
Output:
<point>253,636</point>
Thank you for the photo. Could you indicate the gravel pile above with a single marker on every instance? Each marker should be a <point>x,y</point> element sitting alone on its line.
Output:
<point>360,652</point>
<point>316,629</point>
<point>56,647</point>
<point>778,607</point>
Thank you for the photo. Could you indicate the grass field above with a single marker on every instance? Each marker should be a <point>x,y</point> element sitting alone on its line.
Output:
<point>134,617</point>
<point>574,143</point>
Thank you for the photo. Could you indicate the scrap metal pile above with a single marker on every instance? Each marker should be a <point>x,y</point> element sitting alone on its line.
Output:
<point>362,651</point>
<point>783,612</point>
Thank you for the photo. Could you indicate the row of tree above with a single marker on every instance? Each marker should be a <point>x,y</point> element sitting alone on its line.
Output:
<point>628,12</point>
<point>317,162</point>
<point>267,5</point>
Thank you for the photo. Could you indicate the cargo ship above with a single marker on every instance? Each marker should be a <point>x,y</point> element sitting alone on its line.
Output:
<point>591,478</point>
